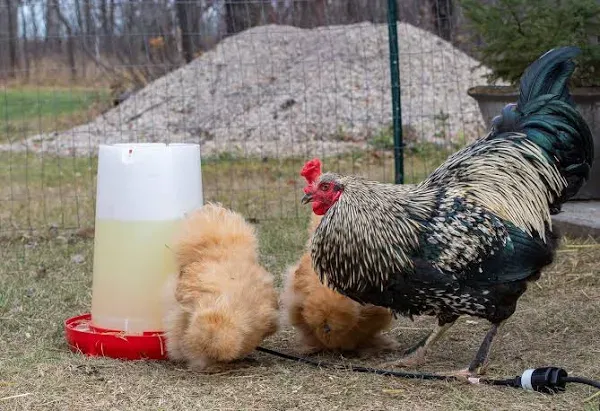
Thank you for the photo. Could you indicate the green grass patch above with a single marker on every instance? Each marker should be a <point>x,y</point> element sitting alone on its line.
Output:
<point>27,111</point>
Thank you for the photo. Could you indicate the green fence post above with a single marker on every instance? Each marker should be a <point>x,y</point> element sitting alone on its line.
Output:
<point>395,76</point>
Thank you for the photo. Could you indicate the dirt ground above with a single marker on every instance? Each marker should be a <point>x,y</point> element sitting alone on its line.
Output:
<point>44,282</point>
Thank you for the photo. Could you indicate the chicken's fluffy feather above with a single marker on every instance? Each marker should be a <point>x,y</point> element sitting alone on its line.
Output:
<point>222,303</point>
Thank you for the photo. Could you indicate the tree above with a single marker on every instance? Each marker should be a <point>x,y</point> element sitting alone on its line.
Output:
<point>443,15</point>
<point>11,12</point>
<point>55,4</point>
<point>243,14</point>
<point>185,16</point>
<point>517,32</point>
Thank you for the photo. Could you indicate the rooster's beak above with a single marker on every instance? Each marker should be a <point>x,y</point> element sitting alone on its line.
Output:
<point>307,198</point>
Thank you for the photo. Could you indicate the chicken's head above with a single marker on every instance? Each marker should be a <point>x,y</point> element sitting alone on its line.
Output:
<point>322,190</point>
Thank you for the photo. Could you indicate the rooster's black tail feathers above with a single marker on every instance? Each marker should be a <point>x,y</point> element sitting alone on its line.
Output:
<point>545,112</point>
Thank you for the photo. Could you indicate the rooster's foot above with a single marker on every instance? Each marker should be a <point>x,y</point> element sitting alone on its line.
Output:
<point>414,359</point>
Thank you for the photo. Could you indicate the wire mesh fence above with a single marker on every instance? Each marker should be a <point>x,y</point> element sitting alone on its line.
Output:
<point>261,85</point>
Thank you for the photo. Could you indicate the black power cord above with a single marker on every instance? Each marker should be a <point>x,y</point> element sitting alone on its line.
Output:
<point>549,380</point>
<point>582,380</point>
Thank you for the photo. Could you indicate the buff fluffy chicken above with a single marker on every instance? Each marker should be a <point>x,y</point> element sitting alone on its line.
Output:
<point>222,303</point>
<point>470,237</point>
<point>325,319</point>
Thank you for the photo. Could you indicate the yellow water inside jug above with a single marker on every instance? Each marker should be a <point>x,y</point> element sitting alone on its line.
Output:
<point>132,260</point>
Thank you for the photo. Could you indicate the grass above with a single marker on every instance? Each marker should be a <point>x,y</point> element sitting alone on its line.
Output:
<point>31,110</point>
<point>41,285</point>
<point>41,192</point>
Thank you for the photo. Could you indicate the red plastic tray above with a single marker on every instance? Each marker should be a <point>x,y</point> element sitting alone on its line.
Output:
<point>87,339</point>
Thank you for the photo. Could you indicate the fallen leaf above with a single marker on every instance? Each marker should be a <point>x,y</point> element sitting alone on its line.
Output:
<point>392,391</point>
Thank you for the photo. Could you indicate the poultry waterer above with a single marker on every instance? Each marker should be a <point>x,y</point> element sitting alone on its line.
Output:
<point>143,194</point>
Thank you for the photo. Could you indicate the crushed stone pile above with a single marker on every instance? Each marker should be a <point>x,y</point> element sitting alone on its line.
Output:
<point>284,91</point>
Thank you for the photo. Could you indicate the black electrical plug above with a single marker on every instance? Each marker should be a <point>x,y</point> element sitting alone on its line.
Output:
<point>549,380</point>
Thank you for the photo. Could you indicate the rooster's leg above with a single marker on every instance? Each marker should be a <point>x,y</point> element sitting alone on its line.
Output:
<point>415,355</point>
<point>480,361</point>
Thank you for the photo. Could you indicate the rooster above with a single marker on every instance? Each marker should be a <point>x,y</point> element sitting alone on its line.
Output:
<point>469,238</point>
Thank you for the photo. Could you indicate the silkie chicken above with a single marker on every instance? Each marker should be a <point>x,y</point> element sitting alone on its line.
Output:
<point>469,238</point>
<point>222,303</point>
<point>325,319</point>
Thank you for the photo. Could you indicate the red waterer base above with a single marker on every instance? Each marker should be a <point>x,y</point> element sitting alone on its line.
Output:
<point>87,339</point>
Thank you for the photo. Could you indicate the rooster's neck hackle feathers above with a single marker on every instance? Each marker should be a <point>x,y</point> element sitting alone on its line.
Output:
<point>381,220</point>
<point>510,177</point>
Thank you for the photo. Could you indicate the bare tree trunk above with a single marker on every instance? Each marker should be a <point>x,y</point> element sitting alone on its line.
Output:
<point>82,31</point>
<point>242,14</point>
<point>34,26</point>
<point>26,58</point>
<point>70,39</point>
<point>111,17</point>
<point>443,11</point>
<point>91,36</point>
<point>187,43</point>
<point>320,12</point>
<point>88,18</point>
<point>352,12</point>
<point>12,37</point>
<point>52,27</point>
<point>196,14</point>
<point>230,26</point>
<point>107,25</point>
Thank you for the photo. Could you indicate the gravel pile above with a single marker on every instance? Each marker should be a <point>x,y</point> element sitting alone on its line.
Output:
<point>280,91</point>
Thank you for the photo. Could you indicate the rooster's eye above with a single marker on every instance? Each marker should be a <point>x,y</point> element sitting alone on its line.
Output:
<point>325,186</point>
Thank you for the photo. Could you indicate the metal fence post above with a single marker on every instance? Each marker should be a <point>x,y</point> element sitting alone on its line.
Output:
<point>392,16</point>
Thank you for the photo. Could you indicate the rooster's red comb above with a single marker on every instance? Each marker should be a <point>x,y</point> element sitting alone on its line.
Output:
<point>311,170</point>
